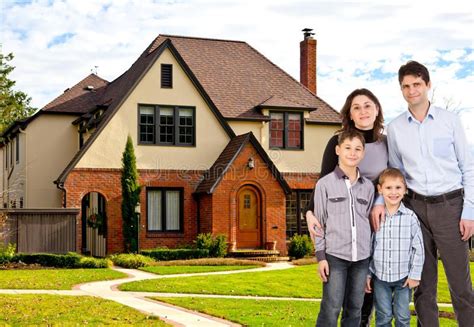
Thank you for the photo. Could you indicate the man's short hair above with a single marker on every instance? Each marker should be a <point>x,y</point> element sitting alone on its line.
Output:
<point>350,134</point>
<point>413,68</point>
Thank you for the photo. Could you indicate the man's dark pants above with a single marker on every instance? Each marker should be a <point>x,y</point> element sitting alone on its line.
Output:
<point>440,227</point>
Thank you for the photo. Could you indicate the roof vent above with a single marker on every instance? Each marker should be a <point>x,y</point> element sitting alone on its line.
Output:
<point>89,88</point>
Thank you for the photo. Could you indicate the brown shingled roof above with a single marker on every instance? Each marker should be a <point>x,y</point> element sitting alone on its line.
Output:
<point>79,99</point>
<point>215,174</point>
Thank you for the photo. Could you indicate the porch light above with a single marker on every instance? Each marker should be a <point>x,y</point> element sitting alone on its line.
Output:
<point>250,163</point>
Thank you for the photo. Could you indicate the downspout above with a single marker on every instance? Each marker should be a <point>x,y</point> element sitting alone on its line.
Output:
<point>60,186</point>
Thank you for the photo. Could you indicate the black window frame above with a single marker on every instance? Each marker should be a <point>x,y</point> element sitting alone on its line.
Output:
<point>286,131</point>
<point>300,211</point>
<point>166,80</point>
<point>175,127</point>
<point>163,209</point>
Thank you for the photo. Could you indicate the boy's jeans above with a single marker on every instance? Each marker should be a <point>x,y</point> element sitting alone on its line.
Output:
<point>388,295</point>
<point>344,288</point>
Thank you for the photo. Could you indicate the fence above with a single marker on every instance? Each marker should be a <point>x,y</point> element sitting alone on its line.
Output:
<point>40,230</point>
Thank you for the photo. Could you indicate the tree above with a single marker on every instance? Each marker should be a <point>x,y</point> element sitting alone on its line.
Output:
<point>14,105</point>
<point>130,198</point>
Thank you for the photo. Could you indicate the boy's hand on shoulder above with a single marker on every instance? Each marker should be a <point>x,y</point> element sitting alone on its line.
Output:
<point>323,269</point>
<point>368,286</point>
<point>411,283</point>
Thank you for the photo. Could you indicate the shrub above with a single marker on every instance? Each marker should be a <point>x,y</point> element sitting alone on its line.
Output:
<point>69,260</point>
<point>7,252</point>
<point>175,254</point>
<point>300,246</point>
<point>128,260</point>
<point>91,262</point>
<point>217,246</point>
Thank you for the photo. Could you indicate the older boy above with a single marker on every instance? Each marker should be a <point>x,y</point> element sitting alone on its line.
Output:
<point>342,201</point>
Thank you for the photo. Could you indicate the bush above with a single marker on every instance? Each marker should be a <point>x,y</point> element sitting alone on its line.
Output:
<point>91,262</point>
<point>7,252</point>
<point>175,254</point>
<point>300,246</point>
<point>128,260</point>
<point>217,246</point>
<point>69,260</point>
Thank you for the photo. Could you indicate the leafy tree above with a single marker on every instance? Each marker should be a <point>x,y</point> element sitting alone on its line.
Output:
<point>14,105</point>
<point>130,198</point>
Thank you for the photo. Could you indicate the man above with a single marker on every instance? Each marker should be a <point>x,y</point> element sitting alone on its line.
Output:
<point>428,145</point>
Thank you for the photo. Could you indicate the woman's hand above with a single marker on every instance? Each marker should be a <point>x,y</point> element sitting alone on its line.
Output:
<point>314,227</point>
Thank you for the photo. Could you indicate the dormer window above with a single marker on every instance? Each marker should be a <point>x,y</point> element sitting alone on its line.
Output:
<point>166,76</point>
<point>286,130</point>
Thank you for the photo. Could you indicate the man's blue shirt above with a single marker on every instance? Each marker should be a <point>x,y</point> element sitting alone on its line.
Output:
<point>433,154</point>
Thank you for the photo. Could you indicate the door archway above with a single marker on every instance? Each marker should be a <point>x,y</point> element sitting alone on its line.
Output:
<point>94,224</point>
<point>249,218</point>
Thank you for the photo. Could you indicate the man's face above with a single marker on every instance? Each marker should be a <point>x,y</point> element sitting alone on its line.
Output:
<point>415,90</point>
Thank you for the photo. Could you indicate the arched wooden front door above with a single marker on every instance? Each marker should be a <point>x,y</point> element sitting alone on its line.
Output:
<point>94,225</point>
<point>249,226</point>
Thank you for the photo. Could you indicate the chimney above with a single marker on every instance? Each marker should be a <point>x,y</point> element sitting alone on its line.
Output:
<point>308,60</point>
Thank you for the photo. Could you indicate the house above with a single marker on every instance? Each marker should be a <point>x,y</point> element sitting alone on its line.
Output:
<point>226,142</point>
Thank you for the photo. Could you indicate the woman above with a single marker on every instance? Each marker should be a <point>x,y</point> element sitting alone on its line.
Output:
<point>361,111</point>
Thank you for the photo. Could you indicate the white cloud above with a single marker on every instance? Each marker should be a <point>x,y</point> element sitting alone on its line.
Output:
<point>355,39</point>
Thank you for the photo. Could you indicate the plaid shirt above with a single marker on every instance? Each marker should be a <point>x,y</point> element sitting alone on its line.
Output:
<point>397,247</point>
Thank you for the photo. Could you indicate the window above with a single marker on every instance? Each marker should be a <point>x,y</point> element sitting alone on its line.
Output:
<point>166,125</point>
<point>286,130</point>
<point>164,210</point>
<point>166,76</point>
<point>296,203</point>
<point>17,142</point>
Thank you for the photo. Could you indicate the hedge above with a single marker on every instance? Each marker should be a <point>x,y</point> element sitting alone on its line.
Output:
<point>175,254</point>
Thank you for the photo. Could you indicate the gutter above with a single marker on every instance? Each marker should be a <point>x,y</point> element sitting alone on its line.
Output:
<point>61,187</point>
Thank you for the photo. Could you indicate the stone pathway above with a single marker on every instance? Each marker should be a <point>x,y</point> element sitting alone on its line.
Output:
<point>173,315</point>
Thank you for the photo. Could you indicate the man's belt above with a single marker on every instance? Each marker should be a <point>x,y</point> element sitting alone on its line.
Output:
<point>436,198</point>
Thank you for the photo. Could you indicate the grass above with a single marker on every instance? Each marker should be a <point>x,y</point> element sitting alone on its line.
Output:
<point>53,279</point>
<point>170,270</point>
<point>251,312</point>
<point>299,282</point>
<point>69,310</point>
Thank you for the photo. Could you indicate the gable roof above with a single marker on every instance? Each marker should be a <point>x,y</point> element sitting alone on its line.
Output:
<point>232,77</point>
<point>215,174</point>
<point>81,98</point>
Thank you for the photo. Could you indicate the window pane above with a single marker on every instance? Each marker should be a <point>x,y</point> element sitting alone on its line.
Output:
<point>147,124</point>
<point>294,130</point>
<point>291,215</point>
<point>166,112</point>
<point>154,210</point>
<point>166,125</point>
<point>276,129</point>
<point>172,210</point>
<point>185,112</point>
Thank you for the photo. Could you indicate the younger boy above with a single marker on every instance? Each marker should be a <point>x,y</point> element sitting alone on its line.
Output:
<point>398,254</point>
<point>342,201</point>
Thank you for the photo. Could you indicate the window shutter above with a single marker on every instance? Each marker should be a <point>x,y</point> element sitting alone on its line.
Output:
<point>166,76</point>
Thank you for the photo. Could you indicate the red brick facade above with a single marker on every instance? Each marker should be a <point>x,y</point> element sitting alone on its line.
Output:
<point>214,212</point>
<point>308,63</point>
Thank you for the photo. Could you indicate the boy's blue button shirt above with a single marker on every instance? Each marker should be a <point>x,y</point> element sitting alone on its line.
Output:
<point>397,247</point>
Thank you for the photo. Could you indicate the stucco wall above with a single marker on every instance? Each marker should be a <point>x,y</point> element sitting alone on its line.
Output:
<point>106,150</point>
<point>51,142</point>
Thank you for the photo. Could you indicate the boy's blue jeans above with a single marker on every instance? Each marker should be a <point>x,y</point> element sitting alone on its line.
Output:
<point>391,300</point>
<point>344,289</point>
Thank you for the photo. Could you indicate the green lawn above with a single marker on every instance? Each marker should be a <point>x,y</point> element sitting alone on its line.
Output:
<point>21,310</point>
<point>295,282</point>
<point>54,279</point>
<point>171,270</point>
<point>264,312</point>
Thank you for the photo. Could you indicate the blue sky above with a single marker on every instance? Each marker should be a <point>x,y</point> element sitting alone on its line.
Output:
<point>360,43</point>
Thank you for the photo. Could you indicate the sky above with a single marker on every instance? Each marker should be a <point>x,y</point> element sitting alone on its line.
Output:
<point>359,43</point>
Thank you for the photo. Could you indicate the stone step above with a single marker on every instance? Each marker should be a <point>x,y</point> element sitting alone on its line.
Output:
<point>253,253</point>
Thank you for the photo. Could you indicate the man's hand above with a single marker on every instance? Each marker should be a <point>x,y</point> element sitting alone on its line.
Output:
<point>323,269</point>
<point>411,283</point>
<point>466,227</point>
<point>368,286</point>
<point>314,227</point>
<point>377,215</point>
